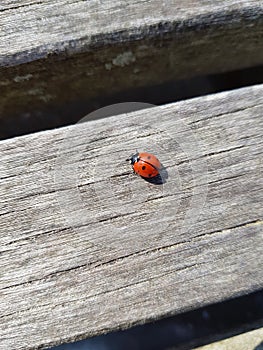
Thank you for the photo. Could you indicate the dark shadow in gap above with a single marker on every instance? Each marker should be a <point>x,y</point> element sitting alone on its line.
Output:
<point>184,331</point>
<point>259,346</point>
<point>49,118</point>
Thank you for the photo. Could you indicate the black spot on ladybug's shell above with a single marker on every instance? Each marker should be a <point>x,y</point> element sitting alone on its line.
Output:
<point>143,167</point>
<point>149,157</point>
<point>150,175</point>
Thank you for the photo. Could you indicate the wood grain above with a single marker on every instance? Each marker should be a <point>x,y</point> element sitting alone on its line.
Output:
<point>87,247</point>
<point>75,26</point>
<point>100,49</point>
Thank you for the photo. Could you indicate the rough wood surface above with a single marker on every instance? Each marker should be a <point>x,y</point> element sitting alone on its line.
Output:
<point>76,26</point>
<point>88,247</point>
<point>81,51</point>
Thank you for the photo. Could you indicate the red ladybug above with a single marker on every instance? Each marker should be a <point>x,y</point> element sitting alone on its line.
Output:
<point>145,164</point>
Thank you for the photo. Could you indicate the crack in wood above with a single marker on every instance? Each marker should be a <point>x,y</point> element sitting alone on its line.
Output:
<point>244,224</point>
<point>21,6</point>
<point>228,178</point>
<point>222,114</point>
<point>211,154</point>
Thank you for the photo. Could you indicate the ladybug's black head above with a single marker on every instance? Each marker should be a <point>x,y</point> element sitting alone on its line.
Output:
<point>133,158</point>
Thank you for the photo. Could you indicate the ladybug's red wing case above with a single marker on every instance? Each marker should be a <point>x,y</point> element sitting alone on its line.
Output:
<point>145,164</point>
<point>151,159</point>
<point>145,169</point>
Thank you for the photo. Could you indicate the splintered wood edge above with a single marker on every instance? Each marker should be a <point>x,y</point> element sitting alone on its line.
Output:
<point>87,247</point>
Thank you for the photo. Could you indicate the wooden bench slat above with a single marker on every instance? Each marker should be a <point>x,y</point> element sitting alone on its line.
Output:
<point>87,247</point>
<point>75,26</point>
<point>111,48</point>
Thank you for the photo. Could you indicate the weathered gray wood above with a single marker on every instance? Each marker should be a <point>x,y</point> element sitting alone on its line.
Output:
<point>75,26</point>
<point>78,51</point>
<point>88,247</point>
<point>246,341</point>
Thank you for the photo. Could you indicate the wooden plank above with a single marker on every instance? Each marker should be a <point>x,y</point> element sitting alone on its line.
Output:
<point>75,26</point>
<point>246,341</point>
<point>97,49</point>
<point>87,247</point>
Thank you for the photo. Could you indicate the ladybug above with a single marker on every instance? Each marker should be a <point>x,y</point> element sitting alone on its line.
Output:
<point>145,164</point>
